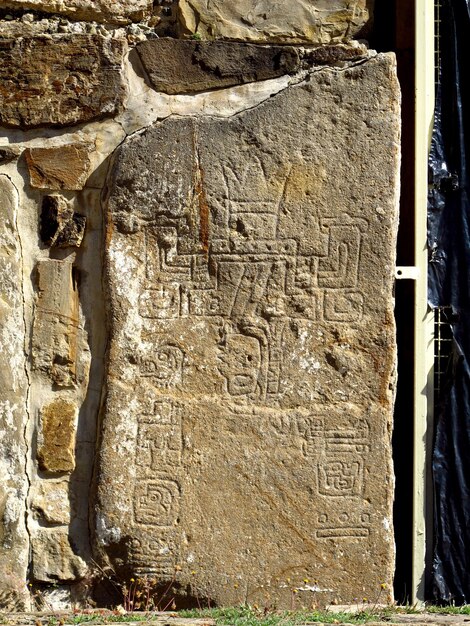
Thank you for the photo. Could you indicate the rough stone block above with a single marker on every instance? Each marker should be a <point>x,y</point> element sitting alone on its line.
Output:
<point>55,328</point>
<point>50,499</point>
<point>53,557</point>
<point>284,21</point>
<point>175,66</point>
<point>60,226</point>
<point>70,79</point>
<point>246,436</point>
<point>65,167</point>
<point>114,12</point>
<point>56,439</point>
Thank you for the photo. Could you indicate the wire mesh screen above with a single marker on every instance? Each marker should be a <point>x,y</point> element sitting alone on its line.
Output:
<point>442,332</point>
<point>442,347</point>
<point>437,39</point>
<point>442,329</point>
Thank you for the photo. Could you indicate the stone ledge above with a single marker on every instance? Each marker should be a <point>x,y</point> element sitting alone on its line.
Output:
<point>175,66</point>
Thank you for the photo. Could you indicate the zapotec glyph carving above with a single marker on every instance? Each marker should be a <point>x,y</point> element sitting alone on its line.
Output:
<point>251,364</point>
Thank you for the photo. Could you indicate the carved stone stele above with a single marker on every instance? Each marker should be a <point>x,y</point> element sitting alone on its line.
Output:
<point>251,368</point>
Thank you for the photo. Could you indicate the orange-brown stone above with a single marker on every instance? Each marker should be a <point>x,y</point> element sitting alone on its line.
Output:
<point>65,167</point>
<point>56,450</point>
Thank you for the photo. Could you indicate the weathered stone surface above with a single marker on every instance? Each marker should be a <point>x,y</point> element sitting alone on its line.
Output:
<point>70,79</point>
<point>64,167</point>
<point>246,436</point>
<point>117,11</point>
<point>56,438</point>
<point>335,55</point>
<point>284,21</point>
<point>53,557</point>
<point>50,500</point>
<point>55,329</point>
<point>60,226</point>
<point>14,543</point>
<point>175,66</point>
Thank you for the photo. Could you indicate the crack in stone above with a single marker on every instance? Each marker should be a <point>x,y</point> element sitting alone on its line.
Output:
<point>296,79</point>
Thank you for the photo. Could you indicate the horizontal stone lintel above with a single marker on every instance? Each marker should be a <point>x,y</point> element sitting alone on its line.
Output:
<point>177,66</point>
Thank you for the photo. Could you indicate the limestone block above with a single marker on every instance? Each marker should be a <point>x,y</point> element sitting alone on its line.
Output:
<point>53,557</point>
<point>176,66</point>
<point>50,499</point>
<point>70,79</point>
<point>56,439</point>
<point>14,543</point>
<point>280,21</point>
<point>55,328</point>
<point>115,12</point>
<point>60,226</point>
<point>251,365</point>
<point>64,167</point>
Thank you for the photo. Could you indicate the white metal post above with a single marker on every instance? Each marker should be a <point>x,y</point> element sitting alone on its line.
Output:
<point>423,317</point>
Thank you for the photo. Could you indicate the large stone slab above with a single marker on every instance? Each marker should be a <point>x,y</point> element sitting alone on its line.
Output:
<point>14,541</point>
<point>70,79</point>
<point>282,21</point>
<point>117,11</point>
<point>177,66</point>
<point>246,437</point>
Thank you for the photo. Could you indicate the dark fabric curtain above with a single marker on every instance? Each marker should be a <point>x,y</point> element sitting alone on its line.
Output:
<point>449,286</point>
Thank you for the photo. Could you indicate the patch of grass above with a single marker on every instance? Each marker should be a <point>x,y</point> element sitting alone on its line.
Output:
<point>247,616</point>
<point>250,616</point>
<point>109,619</point>
<point>450,610</point>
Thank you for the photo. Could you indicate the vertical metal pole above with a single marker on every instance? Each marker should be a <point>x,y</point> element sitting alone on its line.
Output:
<point>423,317</point>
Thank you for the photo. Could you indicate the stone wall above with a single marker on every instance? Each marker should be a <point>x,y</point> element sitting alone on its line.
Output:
<point>197,255</point>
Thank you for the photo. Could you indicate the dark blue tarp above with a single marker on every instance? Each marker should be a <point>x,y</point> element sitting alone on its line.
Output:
<point>449,286</point>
